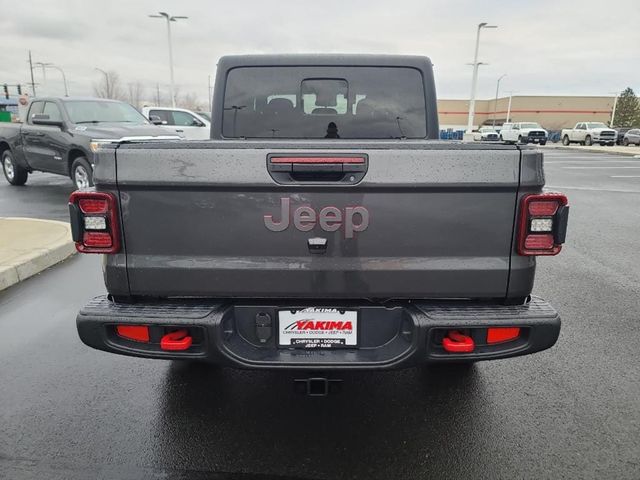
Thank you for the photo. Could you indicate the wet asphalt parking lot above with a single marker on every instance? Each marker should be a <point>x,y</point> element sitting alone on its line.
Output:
<point>69,412</point>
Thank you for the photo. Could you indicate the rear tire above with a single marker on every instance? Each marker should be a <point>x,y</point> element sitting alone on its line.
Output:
<point>14,173</point>
<point>625,142</point>
<point>82,173</point>
<point>587,141</point>
<point>565,141</point>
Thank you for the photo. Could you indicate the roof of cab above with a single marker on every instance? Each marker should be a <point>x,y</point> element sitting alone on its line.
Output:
<point>333,59</point>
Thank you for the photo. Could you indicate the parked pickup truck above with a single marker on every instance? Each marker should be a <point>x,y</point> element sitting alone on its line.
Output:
<point>524,132</point>
<point>324,227</point>
<point>180,121</point>
<point>58,133</point>
<point>588,133</point>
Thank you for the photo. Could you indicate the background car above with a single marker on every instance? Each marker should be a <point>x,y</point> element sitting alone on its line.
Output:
<point>621,132</point>
<point>632,137</point>
<point>524,132</point>
<point>185,123</point>
<point>486,134</point>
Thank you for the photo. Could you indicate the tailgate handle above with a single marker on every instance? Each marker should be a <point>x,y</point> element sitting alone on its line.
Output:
<point>317,168</point>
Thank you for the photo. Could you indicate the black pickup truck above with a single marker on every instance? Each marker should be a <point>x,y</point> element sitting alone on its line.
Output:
<point>58,134</point>
<point>324,227</point>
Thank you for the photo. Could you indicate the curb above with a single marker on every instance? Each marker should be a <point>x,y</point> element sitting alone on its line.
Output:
<point>37,259</point>
<point>594,150</point>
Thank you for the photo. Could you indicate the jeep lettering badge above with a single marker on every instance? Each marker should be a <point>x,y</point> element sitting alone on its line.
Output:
<point>305,218</point>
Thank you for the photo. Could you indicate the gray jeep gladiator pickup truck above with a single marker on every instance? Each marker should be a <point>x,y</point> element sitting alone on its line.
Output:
<point>323,227</point>
<point>58,132</point>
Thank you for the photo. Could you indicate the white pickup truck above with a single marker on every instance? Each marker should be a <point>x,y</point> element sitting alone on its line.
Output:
<point>185,123</point>
<point>588,133</point>
<point>523,132</point>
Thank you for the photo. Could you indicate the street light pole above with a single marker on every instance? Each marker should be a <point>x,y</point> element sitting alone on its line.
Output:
<point>474,80</point>
<point>509,107</point>
<point>46,65</point>
<point>169,19</point>
<point>64,79</point>
<point>106,80</point>
<point>613,112</point>
<point>495,104</point>
<point>33,84</point>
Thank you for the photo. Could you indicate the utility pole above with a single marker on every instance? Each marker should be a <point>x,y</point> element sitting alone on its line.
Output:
<point>33,84</point>
<point>169,19</point>
<point>209,90</point>
<point>509,107</point>
<point>495,104</point>
<point>474,80</point>
<point>157,94</point>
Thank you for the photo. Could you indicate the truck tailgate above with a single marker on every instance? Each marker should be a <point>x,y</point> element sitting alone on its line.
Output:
<point>205,219</point>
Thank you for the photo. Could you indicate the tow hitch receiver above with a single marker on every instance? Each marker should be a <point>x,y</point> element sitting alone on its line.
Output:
<point>456,342</point>
<point>176,341</point>
<point>317,386</point>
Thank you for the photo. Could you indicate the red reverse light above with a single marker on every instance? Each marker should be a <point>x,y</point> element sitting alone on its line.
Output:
<point>502,334</point>
<point>137,333</point>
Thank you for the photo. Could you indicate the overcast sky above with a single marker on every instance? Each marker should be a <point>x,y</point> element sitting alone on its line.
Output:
<point>589,47</point>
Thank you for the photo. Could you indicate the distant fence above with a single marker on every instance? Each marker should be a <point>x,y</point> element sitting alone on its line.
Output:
<point>451,134</point>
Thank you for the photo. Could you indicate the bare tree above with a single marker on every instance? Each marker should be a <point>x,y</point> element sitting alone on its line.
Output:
<point>190,101</point>
<point>109,86</point>
<point>135,94</point>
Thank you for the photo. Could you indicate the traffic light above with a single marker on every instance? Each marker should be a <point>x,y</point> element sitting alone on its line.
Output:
<point>6,91</point>
<point>19,89</point>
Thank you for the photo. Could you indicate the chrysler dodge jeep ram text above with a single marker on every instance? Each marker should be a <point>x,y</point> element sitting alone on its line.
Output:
<point>323,227</point>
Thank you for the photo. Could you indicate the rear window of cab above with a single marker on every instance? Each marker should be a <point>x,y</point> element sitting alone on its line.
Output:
<point>324,102</point>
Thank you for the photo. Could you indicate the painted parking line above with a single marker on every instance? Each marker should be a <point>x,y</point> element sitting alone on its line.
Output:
<point>591,189</point>
<point>560,162</point>
<point>598,168</point>
<point>624,176</point>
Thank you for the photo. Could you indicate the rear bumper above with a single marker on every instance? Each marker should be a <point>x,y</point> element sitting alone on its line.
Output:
<point>399,336</point>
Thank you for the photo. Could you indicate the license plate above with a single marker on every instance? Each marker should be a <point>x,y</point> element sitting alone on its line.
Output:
<point>318,328</point>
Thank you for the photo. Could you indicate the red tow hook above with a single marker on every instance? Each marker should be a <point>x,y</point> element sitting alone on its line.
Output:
<point>456,342</point>
<point>176,341</point>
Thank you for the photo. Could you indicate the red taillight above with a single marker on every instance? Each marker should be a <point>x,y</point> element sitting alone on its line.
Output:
<point>93,205</point>
<point>94,222</point>
<point>97,239</point>
<point>543,224</point>
<point>538,242</point>
<point>502,334</point>
<point>137,333</point>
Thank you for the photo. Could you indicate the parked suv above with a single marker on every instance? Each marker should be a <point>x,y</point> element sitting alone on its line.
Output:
<point>524,132</point>
<point>632,137</point>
